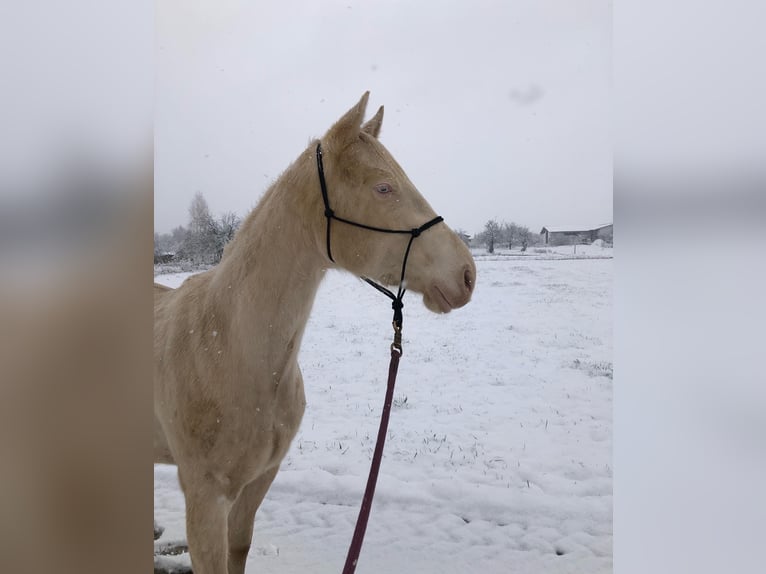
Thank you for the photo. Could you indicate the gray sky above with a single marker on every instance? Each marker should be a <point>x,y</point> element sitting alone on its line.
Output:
<point>494,109</point>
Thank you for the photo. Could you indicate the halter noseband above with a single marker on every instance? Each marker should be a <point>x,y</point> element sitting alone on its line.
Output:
<point>396,300</point>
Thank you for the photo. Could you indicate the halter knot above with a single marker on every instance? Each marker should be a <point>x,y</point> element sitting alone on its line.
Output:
<point>397,305</point>
<point>415,232</point>
<point>328,212</point>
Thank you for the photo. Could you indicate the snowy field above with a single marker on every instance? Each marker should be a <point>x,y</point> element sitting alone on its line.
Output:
<point>596,250</point>
<point>498,457</point>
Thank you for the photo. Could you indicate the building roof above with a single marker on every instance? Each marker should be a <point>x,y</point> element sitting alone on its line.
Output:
<point>573,228</point>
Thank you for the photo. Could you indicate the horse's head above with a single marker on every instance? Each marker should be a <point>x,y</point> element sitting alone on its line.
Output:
<point>366,185</point>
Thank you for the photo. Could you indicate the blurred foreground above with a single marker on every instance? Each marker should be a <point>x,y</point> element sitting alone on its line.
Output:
<point>75,323</point>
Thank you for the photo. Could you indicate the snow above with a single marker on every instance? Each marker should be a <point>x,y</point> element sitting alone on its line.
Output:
<point>595,250</point>
<point>498,456</point>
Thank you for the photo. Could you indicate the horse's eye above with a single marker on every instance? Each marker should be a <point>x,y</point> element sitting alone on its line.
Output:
<point>383,188</point>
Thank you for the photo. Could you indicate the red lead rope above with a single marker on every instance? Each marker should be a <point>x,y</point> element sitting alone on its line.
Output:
<point>369,491</point>
<point>396,352</point>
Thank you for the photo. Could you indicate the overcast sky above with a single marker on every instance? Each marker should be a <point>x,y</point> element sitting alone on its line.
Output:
<point>495,109</point>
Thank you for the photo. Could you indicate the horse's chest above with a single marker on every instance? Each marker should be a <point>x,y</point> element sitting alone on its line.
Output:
<point>243,430</point>
<point>277,414</point>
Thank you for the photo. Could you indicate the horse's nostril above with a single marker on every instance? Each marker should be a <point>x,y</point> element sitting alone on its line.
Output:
<point>468,280</point>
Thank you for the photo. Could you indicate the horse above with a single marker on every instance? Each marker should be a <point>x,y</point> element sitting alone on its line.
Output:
<point>228,390</point>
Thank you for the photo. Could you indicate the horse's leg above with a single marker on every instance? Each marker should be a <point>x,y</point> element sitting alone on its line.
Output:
<point>241,520</point>
<point>207,511</point>
<point>161,454</point>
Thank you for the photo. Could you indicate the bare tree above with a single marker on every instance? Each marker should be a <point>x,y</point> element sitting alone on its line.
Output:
<point>201,243</point>
<point>177,236</point>
<point>510,233</point>
<point>199,214</point>
<point>224,229</point>
<point>524,235</point>
<point>157,244</point>
<point>491,234</point>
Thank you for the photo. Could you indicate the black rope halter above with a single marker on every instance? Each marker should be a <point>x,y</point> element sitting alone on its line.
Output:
<point>396,300</point>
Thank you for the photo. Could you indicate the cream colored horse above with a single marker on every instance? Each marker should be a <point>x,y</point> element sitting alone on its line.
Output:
<point>228,390</point>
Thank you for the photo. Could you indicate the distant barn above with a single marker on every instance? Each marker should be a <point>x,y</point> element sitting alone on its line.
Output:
<point>575,235</point>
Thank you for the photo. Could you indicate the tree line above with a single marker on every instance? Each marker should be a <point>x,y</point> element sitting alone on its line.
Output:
<point>503,234</point>
<point>202,241</point>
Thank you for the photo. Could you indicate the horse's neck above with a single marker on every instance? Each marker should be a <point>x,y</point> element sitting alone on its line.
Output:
<point>271,271</point>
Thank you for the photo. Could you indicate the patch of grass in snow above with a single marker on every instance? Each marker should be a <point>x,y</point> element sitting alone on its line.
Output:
<point>400,402</point>
<point>594,368</point>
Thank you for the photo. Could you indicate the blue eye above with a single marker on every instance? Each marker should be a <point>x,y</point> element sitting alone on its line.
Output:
<point>383,188</point>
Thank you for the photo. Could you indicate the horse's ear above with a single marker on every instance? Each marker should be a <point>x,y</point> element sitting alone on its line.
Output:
<point>347,128</point>
<point>373,125</point>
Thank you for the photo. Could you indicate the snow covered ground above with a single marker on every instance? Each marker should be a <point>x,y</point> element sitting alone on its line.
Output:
<point>498,457</point>
<point>596,250</point>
